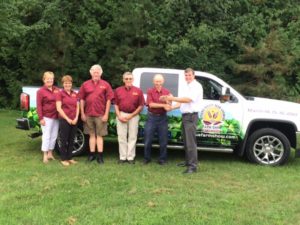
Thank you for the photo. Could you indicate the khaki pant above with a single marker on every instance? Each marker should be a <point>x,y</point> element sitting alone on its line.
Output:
<point>127,136</point>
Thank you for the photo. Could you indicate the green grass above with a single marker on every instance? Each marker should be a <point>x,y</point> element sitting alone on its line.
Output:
<point>227,189</point>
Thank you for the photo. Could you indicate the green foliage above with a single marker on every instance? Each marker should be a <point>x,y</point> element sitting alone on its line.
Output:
<point>253,44</point>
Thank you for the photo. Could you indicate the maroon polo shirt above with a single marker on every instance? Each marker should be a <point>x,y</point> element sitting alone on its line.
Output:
<point>128,99</point>
<point>153,96</point>
<point>46,102</point>
<point>68,103</point>
<point>95,95</point>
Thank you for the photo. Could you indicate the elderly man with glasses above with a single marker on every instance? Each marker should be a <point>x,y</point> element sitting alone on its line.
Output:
<point>129,102</point>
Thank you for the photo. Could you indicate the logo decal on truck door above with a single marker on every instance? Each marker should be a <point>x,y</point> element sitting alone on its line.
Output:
<point>213,117</point>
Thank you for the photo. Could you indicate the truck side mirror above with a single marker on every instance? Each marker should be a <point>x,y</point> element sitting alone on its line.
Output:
<point>225,94</point>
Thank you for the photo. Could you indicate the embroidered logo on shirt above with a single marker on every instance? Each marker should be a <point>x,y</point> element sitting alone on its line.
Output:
<point>135,93</point>
<point>102,87</point>
<point>73,95</point>
<point>55,91</point>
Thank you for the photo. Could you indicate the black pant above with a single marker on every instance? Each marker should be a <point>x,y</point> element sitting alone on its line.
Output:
<point>67,134</point>
<point>189,127</point>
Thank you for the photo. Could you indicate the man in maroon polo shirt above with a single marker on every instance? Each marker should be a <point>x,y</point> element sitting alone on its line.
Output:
<point>95,99</point>
<point>129,102</point>
<point>157,120</point>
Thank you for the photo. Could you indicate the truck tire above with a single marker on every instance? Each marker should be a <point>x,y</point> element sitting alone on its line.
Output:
<point>80,142</point>
<point>268,146</point>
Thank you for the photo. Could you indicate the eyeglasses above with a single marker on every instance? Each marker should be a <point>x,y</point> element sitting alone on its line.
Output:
<point>128,78</point>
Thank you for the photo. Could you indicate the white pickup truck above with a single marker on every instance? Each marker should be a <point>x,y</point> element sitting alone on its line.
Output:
<point>263,130</point>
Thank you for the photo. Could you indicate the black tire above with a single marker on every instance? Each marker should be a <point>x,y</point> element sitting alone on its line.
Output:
<point>80,142</point>
<point>268,147</point>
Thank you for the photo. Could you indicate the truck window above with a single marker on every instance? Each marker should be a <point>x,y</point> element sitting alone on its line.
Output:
<point>212,90</point>
<point>171,82</point>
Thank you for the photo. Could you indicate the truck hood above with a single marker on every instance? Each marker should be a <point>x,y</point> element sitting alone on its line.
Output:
<point>272,106</point>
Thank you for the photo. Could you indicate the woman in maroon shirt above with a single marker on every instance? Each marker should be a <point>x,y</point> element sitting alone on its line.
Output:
<point>46,109</point>
<point>67,105</point>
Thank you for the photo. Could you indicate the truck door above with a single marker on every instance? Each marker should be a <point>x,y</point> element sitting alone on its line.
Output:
<point>220,120</point>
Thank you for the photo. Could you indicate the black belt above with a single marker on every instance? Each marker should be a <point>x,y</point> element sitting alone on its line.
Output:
<point>193,113</point>
<point>155,114</point>
<point>126,112</point>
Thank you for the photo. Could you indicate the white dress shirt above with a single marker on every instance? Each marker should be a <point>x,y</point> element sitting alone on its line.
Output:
<point>193,91</point>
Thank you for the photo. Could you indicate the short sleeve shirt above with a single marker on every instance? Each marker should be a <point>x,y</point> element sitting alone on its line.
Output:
<point>46,102</point>
<point>95,95</point>
<point>153,96</point>
<point>68,103</point>
<point>128,99</point>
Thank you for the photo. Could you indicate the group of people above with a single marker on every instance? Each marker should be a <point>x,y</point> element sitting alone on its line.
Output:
<point>59,110</point>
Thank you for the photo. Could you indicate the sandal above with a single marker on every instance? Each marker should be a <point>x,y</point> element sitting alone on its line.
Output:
<point>65,163</point>
<point>72,161</point>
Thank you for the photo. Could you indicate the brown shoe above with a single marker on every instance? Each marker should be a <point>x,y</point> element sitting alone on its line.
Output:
<point>65,163</point>
<point>45,160</point>
<point>72,161</point>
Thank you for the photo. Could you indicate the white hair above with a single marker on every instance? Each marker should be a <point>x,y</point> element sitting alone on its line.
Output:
<point>96,67</point>
<point>159,77</point>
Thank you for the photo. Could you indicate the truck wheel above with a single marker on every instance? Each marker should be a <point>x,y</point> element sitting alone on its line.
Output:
<point>268,147</point>
<point>80,143</point>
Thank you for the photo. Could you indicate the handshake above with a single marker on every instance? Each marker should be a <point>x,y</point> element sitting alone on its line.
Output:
<point>166,98</point>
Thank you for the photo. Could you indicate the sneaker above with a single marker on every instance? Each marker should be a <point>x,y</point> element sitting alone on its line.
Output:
<point>146,161</point>
<point>91,158</point>
<point>121,161</point>
<point>162,162</point>
<point>131,161</point>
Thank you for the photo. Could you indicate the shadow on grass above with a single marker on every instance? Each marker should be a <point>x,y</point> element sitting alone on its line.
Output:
<point>111,151</point>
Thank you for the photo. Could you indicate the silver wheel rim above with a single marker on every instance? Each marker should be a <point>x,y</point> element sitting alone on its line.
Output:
<point>78,141</point>
<point>268,149</point>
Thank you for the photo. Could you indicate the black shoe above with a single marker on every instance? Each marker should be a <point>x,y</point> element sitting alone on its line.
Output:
<point>121,161</point>
<point>162,162</point>
<point>190,170</point>
<point>182,164</point>
<point>131,161</point>
<point>91,158</point>
<point>100,159</point>
<point>146,161</point>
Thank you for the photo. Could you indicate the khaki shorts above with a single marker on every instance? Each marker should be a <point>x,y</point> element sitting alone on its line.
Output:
<point>95,125</point>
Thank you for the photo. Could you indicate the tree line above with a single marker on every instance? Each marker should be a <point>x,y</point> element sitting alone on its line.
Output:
<point>252,44</point>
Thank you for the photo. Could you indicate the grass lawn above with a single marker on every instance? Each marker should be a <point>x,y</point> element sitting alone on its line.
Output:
<point>226,190</point>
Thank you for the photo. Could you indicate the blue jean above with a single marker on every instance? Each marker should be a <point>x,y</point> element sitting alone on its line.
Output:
<point>157,124</point>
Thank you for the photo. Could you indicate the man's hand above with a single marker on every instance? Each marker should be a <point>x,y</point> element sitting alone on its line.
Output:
<point>104,118</point>
<point>166,98</point>
<point>163,98</point>
<point>167,107</point>
<point>122,119</point>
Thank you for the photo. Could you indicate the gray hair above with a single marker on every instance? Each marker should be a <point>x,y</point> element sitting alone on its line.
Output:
<point>96,67</point>
<point>159,76</point>
<point>127,74</point>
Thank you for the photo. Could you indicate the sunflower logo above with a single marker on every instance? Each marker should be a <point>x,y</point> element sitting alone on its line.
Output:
<point>213,115</point>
